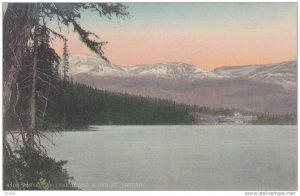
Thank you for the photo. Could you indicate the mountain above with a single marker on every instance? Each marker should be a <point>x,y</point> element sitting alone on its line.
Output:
<point>175,70</point>
<point>259,88</point>
<point>95,66</point>
<point>283,74</point>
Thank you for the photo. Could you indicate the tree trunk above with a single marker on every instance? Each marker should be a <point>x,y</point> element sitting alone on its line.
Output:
<point>19,19</point>
<point>32,103</point>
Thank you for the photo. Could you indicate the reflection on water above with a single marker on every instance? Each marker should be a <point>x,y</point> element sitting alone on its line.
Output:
<point>180,157</point>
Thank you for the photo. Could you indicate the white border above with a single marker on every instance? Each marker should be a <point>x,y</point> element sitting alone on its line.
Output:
<point>147,193</point>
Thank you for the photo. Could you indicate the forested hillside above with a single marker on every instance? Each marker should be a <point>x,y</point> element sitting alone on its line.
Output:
<point>74,105</point>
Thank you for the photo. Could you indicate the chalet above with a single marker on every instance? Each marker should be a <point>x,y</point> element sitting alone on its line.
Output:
<point>237,118</point>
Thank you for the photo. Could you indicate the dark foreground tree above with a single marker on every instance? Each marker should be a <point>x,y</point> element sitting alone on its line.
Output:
<point>22,26</point>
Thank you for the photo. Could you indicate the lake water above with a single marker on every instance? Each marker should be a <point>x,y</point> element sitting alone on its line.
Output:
<point>180,157</point>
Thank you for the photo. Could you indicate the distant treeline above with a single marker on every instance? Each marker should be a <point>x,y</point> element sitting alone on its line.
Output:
<point>73,105</point>
<point>276,119</point>
<point>262,118</point>
<point>212,111</point>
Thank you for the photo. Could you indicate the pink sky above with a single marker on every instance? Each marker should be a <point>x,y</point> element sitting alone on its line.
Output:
<point>208,45</point>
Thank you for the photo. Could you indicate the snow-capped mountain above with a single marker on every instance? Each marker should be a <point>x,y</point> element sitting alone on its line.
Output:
<point>93,66</point>
<point>80,64</point>
<point>172,70</point>
<point>283,74</point>
<point>253,87</point>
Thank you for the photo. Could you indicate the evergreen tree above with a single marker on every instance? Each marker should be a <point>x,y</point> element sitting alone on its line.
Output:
<point>21,27</point>
<point>21,23</point>
<point>65,61</point>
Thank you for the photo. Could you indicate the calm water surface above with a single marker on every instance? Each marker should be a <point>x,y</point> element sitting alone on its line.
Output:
<point>180,157</point>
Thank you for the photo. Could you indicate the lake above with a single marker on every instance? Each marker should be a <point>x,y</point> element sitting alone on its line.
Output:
<point>180,157</point>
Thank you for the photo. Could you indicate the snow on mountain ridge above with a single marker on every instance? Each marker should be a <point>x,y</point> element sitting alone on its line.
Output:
<point>96,66</point>
<point>172,70</point>
<point>93,66</point>
<point>283,74</point>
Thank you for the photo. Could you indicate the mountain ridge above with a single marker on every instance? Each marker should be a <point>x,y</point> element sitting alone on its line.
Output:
<point>271,88</point>
<point>283,73</point>
<point>96,66</point>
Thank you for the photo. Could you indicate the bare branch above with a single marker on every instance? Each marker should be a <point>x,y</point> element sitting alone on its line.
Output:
<point>44,74</point>
<point>41,146</point>
<point>46,137</point>
<point>42,96</point>
<point>27,77</point>
<point>46,82</point>
<point>25,87</point>
<point>17,115</point>
<point>18,63</point>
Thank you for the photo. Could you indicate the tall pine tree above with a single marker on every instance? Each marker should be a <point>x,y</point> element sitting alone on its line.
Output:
<point>65,60</point>
<point>21,22</point>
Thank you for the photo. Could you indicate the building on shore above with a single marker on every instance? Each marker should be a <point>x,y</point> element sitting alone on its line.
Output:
<point>237,118</point>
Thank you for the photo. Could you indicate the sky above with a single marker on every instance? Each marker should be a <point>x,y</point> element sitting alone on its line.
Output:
<point>208,35</point>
